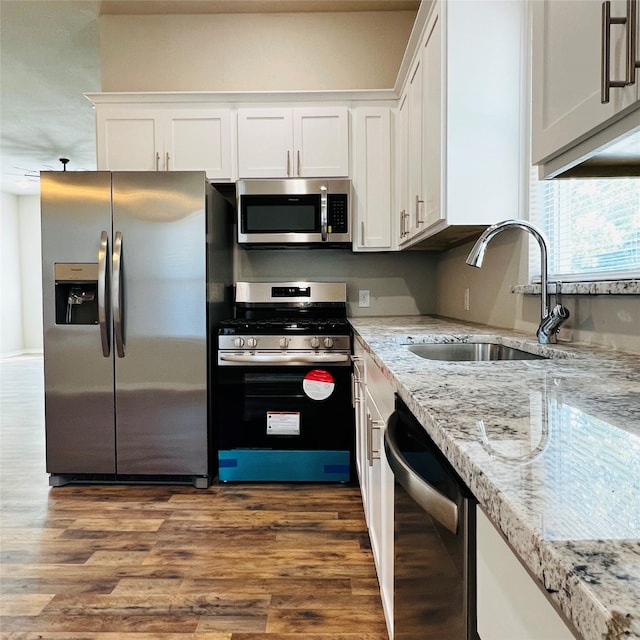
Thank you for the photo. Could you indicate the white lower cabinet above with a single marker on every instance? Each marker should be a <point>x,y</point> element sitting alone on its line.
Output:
<point>510,603</point>
<point>373,408</point>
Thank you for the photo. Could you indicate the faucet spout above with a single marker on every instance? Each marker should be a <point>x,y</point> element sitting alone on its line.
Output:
<point>550,321</point>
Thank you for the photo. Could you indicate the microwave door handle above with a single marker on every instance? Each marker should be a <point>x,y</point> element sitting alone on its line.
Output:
<point>323,213</point>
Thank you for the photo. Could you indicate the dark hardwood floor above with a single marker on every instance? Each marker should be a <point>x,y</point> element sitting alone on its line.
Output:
<point>233,562</point>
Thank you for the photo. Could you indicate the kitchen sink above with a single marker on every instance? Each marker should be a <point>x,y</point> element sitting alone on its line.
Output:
<point>470,352</point>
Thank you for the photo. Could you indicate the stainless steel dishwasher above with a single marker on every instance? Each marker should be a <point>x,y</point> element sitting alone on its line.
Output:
<point>434,536</point>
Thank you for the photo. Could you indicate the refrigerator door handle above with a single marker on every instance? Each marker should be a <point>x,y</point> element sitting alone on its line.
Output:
<point>103,301</point>
<point>117,295</point>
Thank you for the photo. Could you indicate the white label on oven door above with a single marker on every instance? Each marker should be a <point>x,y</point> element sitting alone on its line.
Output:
<point>283,423</point>
<point>318,384</point>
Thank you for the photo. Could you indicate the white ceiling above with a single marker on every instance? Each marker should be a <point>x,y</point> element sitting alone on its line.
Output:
<point>50,57</point>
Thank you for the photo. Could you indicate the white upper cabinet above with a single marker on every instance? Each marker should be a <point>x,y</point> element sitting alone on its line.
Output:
<point>199,141</point>
<point>293,143</point>
<point>160,138</point>
<point>371,203</point>
<point>569,77</point>
<point>420,204</point>
<point>462,123</point>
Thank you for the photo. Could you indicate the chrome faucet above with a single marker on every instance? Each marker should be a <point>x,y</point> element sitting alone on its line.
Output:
<point>550,320</point>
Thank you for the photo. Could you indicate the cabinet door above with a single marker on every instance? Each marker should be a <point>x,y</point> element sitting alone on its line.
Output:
<point>374,431</point>
<point>414,154</point>
<point>321,142</point>
<point>265,143</point>
<point>566,72</point>
<point>402,163</point>
<point>429,210</point>
<point>129,141</point>
<point>510,603</point>
<point>199,140</point>
<point>372,178</point>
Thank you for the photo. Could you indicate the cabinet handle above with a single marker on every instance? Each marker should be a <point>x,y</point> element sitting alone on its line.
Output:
<point>372,454</point>
<point>288,163</point>
<point>606,83</point>
<point>403,224</point>
<point>418,203</point>
<point>166,165</point>
<point>299,166</point>
<point>362,233</point>
<point>157,161</point>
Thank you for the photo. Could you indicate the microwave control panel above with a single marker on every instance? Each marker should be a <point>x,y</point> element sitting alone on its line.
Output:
<point>337,219</point>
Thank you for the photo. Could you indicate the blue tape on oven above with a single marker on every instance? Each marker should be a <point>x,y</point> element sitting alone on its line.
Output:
<point>256,465</point>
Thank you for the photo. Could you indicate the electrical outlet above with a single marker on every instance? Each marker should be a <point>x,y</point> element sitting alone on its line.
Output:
<point>466,299</point>
<point>363,298</point>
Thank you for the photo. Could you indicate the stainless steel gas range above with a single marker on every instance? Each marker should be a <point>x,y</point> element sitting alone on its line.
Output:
<point>284,378</point>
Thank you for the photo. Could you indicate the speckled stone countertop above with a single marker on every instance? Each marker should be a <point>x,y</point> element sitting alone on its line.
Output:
<point>550,448</point>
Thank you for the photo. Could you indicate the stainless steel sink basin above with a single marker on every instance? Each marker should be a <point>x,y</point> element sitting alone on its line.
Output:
<point>470,351</point>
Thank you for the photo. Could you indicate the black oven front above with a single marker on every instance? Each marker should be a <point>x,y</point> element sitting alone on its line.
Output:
<point>285,423</point>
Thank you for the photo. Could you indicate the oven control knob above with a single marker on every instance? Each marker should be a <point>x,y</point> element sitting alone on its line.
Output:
<point>315,342</point>
<point>251,342</point>
<point>284,342</point>
<point>238,342</point>
<point>328,343</point>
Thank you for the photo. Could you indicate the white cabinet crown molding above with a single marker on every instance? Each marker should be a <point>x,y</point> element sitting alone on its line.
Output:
<point>241,97</point>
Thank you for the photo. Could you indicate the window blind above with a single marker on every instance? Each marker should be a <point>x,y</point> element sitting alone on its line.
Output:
<point>592,225</point>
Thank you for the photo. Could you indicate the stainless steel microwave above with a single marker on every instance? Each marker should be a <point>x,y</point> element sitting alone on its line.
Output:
<point>294,212</point>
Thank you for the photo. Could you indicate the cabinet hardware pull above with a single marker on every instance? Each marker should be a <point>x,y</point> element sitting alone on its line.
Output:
<point>403,217</point>
<point>606,83</point>
<point>362,233</point>
<point>299,166</point>
<point>372,454</point>
<point>166,165</point>
<point>157,161</point>
<point>418,203</point>
<point>288,163</point>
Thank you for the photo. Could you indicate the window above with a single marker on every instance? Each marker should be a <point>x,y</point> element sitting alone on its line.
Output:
<point>593,227</point>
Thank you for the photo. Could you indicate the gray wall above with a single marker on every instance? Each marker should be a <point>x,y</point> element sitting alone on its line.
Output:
<point>608,320</point>
<point>399,283</point>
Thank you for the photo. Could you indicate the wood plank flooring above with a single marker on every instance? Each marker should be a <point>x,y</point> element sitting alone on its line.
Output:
<point>233,562</point>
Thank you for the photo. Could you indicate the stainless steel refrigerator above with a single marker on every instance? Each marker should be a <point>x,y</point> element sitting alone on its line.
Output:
<point>137,271</point>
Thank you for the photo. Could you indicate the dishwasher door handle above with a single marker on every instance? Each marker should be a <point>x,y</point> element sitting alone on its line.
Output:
<point>437,505</point>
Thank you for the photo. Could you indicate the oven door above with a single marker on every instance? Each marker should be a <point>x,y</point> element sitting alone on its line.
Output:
<point>288,423</point>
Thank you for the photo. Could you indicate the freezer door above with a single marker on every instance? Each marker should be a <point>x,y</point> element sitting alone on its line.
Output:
<point>159,309</point>
<point>76,231</point>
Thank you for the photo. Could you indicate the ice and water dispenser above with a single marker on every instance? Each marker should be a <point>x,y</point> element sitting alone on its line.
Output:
<point>76,293</point>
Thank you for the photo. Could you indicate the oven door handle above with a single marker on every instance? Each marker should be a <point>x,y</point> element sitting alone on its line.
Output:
<point>438,506</point>
<point>283,359</point>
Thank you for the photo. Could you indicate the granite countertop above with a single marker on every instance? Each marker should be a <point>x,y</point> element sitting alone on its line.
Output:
<point>550,448</point>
